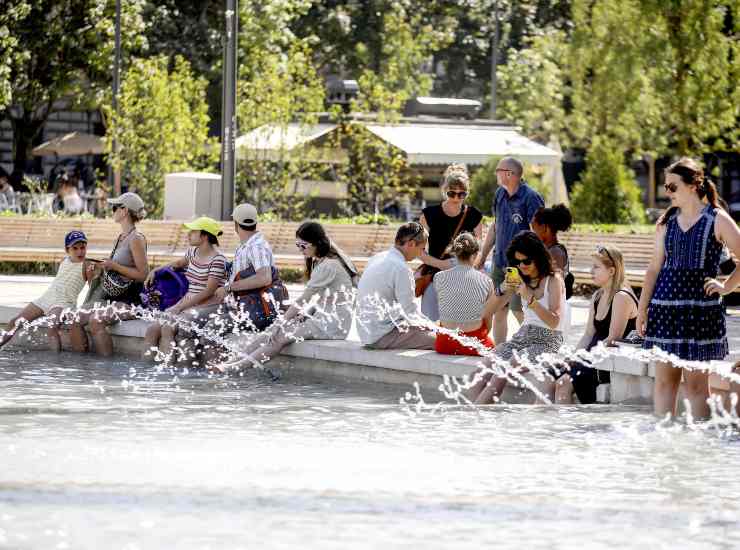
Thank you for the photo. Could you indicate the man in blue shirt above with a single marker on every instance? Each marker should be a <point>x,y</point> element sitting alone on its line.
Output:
<point>514,206</point>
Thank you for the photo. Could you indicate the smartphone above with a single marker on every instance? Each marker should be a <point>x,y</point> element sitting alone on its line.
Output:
<point>512,275</point>
<point>93,260</point>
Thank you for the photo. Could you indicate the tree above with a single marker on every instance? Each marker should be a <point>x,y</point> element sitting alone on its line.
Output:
<point>162,126</point>
<point>63,49</point>
<point>278,86</point>
<point>10,57</point>
<point>483,184</point>
<point>607,191</point>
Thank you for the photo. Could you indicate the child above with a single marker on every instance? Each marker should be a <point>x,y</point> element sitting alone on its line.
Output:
<point>61,295</point>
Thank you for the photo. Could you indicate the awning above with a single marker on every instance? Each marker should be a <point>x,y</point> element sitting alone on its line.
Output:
<point>421,142</point>
<point>271,141</point>
<point>465,143</point>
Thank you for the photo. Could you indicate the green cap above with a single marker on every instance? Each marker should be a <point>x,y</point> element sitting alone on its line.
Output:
<point>209,225</point>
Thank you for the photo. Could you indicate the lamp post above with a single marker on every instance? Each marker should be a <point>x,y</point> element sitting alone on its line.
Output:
<point>228,121</point>
<point>494,60</point>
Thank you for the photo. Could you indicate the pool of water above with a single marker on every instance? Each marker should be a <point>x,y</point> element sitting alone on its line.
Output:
<point>117,455</point>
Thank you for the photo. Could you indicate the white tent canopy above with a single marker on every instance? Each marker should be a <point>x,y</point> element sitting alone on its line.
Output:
<point>422,142</point>
<point>465,143</point>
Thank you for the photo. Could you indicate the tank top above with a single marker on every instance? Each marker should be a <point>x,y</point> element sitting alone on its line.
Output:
<point>442,226</point>
<point>531,317</point>
<point>122,253</point>
<point>602,326</point>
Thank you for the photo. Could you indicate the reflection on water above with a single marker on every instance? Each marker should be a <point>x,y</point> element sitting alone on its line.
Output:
<point>119,455</point>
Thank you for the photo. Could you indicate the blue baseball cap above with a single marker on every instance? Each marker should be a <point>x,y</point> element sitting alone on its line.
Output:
<point>74,237</point>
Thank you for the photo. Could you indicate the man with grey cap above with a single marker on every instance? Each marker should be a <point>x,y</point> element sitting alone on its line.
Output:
<point>253,270</point>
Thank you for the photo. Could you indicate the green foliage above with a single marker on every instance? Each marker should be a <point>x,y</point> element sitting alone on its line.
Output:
<point>361,219</point>
<point>483,184</point>
<point>10,55</point>
<point>607,192</point>
<point>278,85</point>
<point>162,126</point>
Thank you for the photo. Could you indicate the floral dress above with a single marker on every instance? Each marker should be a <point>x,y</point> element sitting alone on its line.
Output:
<point>682,319</point>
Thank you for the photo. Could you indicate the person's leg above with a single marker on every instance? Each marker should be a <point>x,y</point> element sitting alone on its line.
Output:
<point>667,382</point>
<point>697,392</point>
<point>77,334</point>
<point>564,390</point>
<point>55,340</point>
<point>412,338</point>
<point>167,339</point>
<point>151,340</point>
<point>29,313</point>
<point>735,387</point>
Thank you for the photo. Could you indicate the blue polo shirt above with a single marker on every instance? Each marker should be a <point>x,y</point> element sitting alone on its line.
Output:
<point>513,214</point>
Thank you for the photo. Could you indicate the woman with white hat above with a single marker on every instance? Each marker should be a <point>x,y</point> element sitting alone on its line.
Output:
<point>117,281</point>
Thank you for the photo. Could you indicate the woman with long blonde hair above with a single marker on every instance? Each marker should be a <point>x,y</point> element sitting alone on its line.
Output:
<point>612,316</point>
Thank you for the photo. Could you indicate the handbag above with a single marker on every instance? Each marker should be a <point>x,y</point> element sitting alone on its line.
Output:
<point>114,284</point>
<point>425,273</point>
<point>262,304</point>
<point>167,288</point>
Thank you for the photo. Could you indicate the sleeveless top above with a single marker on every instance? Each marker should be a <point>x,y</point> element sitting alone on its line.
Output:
<point>65,288</point>
<point>682,319</point>
<point>602,326</point>
<point>122,253</point>
<point>442,226</point>
<point>461,293</point>
<point>531,318</point>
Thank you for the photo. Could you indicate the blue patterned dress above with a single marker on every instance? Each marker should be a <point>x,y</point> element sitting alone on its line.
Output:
<point>682,319</point>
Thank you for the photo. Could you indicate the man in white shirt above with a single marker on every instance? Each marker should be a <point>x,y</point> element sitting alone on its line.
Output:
<point>388,316</point>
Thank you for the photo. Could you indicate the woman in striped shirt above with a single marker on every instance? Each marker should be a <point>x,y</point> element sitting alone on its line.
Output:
<point>205,270</point>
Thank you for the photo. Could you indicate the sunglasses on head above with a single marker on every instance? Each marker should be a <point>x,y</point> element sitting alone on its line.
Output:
<point>516,261</point>
<point>453,194</point>
<point>603,250</point>
<point>670,187</point>
<point>302,245</point>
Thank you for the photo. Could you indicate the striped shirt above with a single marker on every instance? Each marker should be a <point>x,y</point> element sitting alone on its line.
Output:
<point>198,273</point>
<point>255,252</point>
<point>462,292</point>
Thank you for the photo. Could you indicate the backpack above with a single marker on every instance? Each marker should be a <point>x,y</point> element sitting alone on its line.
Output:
<point>167,288</point>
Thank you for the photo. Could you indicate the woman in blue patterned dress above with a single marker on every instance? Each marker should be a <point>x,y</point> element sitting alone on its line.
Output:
<point>680,308</point>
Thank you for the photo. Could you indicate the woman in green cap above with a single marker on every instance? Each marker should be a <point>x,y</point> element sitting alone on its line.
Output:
<point>205,270</point>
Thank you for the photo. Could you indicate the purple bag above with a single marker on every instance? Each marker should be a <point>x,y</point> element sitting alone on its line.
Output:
<point>167,288</point>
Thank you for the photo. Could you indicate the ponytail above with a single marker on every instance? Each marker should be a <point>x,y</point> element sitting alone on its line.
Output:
<point>691,173</point>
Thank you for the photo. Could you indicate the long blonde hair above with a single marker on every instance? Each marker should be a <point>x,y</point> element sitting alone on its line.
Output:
<point>611,257</point>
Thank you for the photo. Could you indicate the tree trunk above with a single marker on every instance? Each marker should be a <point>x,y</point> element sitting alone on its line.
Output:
<point>25,131</point>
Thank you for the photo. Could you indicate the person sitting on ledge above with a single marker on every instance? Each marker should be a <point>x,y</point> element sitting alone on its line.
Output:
<point>542,292</point>
<point>205,271</point>
<point>388,317</point>
<point>612,316</point>
<point>61,295</point>
<point>462,293</point>
<point>324,310</point>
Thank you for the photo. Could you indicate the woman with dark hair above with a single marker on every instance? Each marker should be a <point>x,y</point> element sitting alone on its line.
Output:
<point>547,223</point>
<point>205,271</point>
<point>444,222</point>
<point>545,311</point>
<point>680,309</point>
<point>116,283</point>
<point>323,312</point>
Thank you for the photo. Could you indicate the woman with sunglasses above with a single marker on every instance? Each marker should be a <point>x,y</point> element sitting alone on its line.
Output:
<point>444,222</point>
<point>680,309</point>
<point>542,291</point>
<point>323,312</point>
<point>117,282</point>
<point>612,316</point>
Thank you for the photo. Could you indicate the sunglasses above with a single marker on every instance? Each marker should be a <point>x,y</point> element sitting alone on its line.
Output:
<point>115,207</point>
<point>603,250</point>
<point>516,262</point>
<point>302,245</point>
<point>504,171</point>
<point>460,194</point>
<point>670,187</point>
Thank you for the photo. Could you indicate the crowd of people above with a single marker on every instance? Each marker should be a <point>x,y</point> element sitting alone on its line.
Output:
<point>679,310</point>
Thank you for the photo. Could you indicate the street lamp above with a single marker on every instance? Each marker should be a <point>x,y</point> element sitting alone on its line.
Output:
<point>228,121</point>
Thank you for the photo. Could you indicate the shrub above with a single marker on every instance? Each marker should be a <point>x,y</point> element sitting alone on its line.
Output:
<point>607,191</point>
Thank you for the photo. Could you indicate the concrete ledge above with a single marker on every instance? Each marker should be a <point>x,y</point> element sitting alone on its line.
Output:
<point>631,381</point>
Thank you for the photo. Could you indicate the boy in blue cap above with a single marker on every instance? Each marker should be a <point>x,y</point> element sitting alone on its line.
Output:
<point>62,293</point>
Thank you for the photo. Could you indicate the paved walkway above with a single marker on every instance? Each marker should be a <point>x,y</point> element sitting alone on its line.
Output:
<point>17,290</point>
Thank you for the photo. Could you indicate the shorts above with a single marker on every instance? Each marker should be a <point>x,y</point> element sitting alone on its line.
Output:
<point>498,275</point>
<point>447,345</point>
<point>533,339</point>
